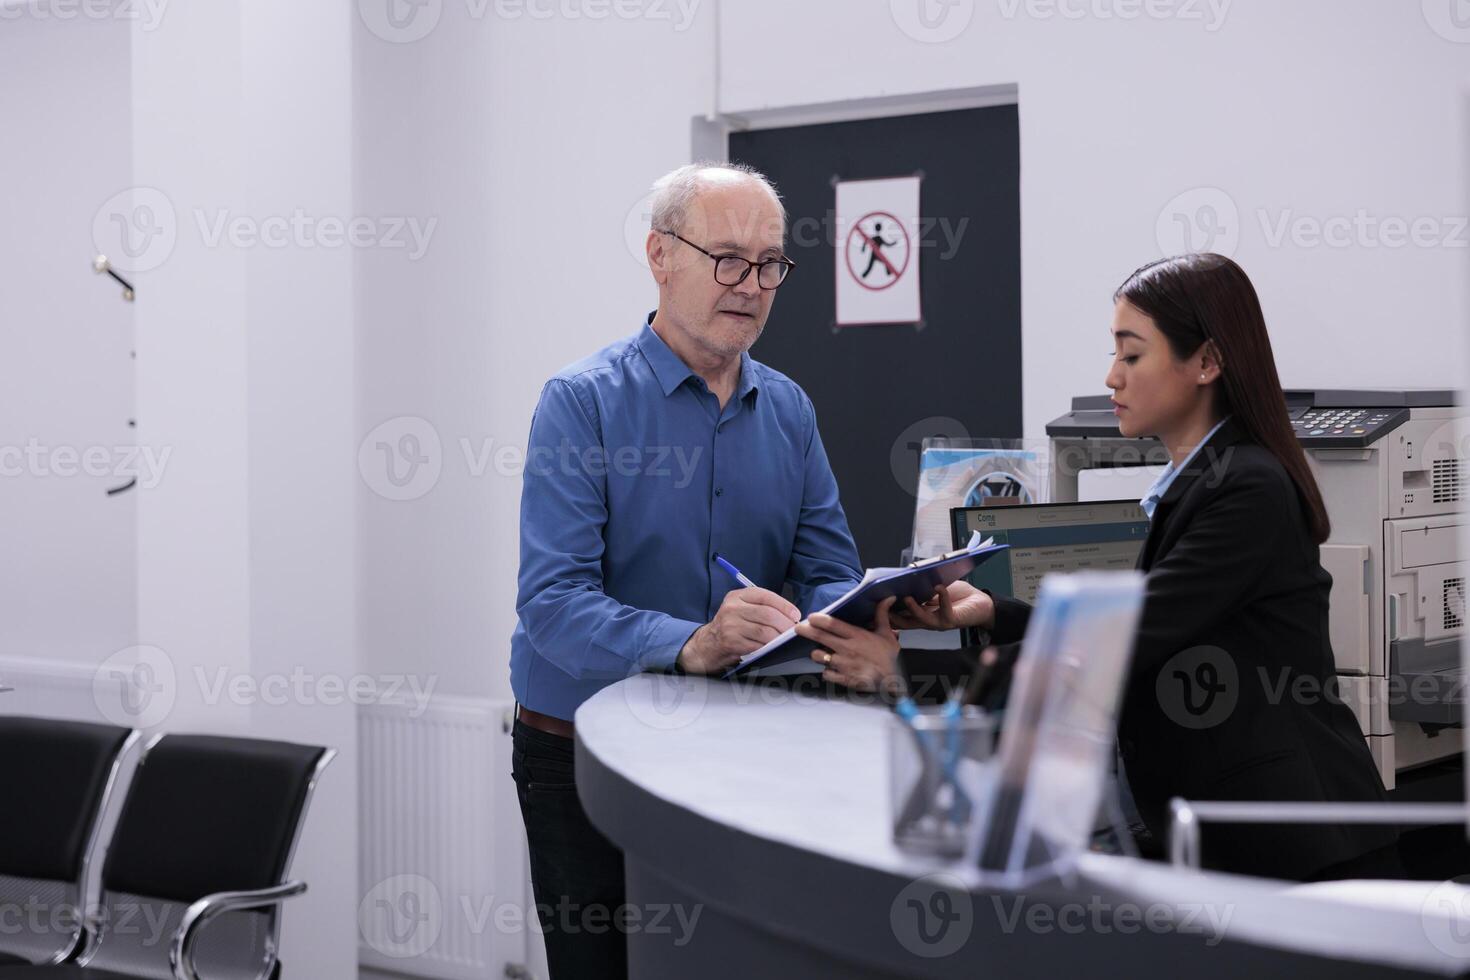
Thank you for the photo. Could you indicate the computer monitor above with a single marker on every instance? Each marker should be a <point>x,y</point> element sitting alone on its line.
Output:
<point>1102,535</point>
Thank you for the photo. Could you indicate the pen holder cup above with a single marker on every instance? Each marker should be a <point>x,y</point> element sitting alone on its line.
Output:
<point>936,773</point>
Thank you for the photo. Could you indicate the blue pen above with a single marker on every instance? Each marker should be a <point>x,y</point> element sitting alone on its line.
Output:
<point>735,573</point>
<point>959,811</point>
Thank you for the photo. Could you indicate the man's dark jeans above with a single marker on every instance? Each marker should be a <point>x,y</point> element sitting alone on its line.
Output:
<point>576,872</point>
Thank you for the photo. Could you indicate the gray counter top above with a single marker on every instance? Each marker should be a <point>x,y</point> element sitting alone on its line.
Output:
<point>766,809</point>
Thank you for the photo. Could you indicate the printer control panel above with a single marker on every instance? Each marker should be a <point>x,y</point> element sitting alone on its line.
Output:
<point>1345,428</point>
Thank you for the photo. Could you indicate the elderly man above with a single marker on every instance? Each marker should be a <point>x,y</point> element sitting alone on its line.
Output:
<point>645,461</point>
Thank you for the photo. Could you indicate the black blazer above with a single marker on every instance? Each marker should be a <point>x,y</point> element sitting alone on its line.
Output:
<point>1232,692</point>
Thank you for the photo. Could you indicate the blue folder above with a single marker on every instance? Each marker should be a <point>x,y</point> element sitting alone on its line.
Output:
<point>791,654</point>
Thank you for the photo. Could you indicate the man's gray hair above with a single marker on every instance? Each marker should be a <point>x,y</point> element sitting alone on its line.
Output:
<point>675,191</point>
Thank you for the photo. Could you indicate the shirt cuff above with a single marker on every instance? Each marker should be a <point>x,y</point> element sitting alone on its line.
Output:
<point>822,596</point>
<point>664,641</point>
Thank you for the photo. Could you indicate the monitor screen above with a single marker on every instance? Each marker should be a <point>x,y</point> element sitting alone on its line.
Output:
<point>1102,535</point>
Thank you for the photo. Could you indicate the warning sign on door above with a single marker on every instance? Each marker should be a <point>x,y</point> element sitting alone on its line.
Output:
<point>877,225</point>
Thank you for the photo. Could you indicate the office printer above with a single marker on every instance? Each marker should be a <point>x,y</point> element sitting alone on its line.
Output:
<point>1393,467</point>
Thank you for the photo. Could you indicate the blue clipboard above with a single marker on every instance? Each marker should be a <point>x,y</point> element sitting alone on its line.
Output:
<point>791,654</point>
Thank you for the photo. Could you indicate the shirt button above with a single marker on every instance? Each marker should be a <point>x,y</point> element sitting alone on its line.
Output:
<point>719,491</point>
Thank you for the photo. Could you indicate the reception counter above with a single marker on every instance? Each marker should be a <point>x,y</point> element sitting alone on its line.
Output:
<point>754,820</point>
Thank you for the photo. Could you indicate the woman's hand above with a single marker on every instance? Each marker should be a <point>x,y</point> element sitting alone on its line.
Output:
<point>955,607</point>
<point>864,660</point>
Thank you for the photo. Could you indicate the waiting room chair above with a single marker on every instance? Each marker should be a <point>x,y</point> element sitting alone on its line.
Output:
<point>197,867</point>
<point>55,779</point>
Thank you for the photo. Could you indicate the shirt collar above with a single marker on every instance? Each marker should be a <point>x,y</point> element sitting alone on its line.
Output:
<point>748,384</point>
<point>671,370</point>
<point>1160,486</point>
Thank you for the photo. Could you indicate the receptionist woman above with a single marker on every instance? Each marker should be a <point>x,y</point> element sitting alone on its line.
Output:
<point>1233,574</point>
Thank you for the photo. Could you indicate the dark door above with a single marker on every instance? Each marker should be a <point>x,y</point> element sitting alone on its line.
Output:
<point>879,390</point>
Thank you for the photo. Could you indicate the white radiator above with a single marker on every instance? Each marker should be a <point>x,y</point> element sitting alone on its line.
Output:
<point>442,851</point>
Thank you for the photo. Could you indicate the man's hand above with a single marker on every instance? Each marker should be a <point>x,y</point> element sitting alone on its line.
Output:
<point>960,605</point>
<point>747,620</point>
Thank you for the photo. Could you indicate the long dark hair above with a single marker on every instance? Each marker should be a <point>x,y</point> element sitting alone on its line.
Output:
<point>1206,297</point>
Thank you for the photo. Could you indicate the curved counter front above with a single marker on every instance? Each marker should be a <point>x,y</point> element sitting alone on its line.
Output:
<point>754,821</point>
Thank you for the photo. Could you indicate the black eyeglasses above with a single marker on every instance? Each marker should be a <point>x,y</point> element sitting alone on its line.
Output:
<point>731,270</point>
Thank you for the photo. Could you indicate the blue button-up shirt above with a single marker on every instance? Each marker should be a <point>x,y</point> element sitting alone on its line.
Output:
<point>635,478</point>
<point>1160,486</point>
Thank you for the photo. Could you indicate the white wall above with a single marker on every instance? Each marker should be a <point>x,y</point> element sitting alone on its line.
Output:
<point>1318,108</point>
<point>529,141</point>
<point>131,129</point>
<point>66,375</point>
<point>246,549</point>
<point>300,364</point>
